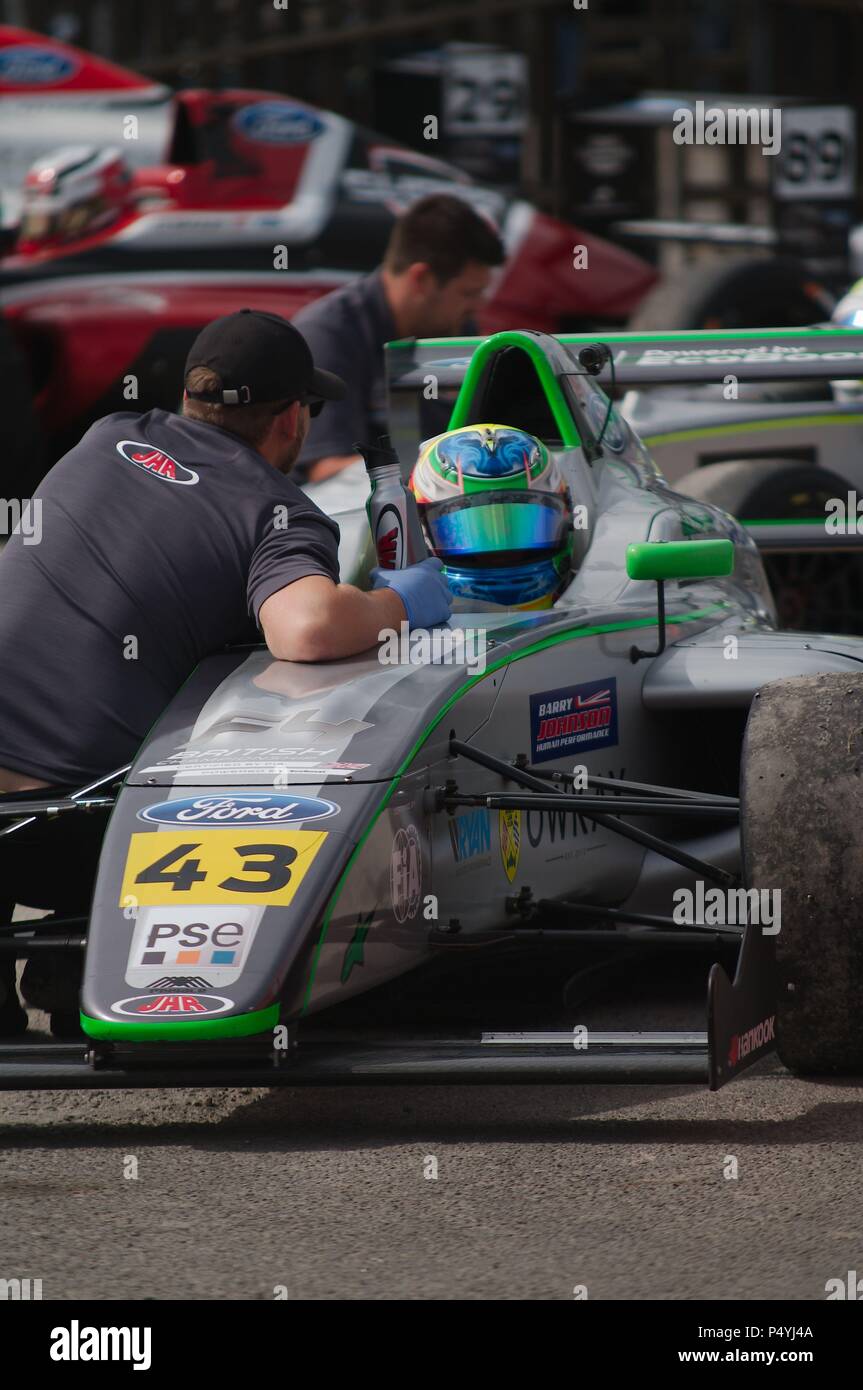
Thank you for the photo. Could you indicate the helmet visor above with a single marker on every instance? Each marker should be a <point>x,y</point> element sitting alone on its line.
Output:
<point>63,223</point>
<point>483,528</point>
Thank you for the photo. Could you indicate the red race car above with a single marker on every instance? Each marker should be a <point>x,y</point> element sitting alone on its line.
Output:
<point>260,200</point>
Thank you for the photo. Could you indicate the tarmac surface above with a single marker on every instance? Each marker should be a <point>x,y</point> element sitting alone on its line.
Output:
<point>627,1191</point>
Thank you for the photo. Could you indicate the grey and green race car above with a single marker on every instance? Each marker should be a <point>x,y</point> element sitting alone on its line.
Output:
<point>640,759</point>
<point>765,423</point>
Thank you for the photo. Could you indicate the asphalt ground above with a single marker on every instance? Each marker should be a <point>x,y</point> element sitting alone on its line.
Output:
<point>330,1194</point>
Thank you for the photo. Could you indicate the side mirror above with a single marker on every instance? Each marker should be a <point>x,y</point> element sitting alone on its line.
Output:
<point>662,560</point>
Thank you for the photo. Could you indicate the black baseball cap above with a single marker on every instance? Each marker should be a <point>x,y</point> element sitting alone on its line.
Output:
<point>260,358</point>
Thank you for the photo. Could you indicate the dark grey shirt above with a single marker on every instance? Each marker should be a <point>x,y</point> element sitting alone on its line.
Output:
<point>346,331</point>
<point>160,539</point>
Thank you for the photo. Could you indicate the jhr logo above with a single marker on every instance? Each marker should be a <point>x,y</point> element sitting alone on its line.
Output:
<point>18,1289</point>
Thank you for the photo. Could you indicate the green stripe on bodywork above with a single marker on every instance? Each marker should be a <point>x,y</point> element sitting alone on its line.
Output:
<point>331,905</point>
<point>549,382</point>
<point>618,336</point>
<point>542,645</point>
<point>706,431</point>
<point>237,1026</point>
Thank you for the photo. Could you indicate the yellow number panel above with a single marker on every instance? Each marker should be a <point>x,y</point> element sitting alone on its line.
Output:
<point>253,866</point>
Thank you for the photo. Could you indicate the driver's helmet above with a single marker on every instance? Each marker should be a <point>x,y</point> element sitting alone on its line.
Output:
<point>849,310</point>
<point>849,314</point>
<point>71,194</point>
<point>497,512</point>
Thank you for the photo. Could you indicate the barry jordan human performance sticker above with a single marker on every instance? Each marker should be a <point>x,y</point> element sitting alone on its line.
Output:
<point>573,719</point>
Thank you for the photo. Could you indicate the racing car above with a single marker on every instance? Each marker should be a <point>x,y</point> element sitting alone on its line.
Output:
<point>293,836</point>
<point>231,198</point>
<point>784,455</point>
<point>767,425</point>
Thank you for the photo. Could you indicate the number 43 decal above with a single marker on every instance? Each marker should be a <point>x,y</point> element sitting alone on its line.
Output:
<point>217,866</point>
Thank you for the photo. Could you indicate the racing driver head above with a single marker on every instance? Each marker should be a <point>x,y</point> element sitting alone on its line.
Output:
<point>498,514</point>
<point>848,313</point>
<point>72,194</point>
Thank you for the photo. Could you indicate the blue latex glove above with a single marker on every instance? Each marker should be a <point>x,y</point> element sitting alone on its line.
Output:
<point>421,588</point>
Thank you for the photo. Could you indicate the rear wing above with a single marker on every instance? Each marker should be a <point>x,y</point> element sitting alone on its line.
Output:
<point>654,359</point>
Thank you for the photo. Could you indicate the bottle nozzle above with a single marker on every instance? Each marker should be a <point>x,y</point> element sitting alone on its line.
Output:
<point>379,453</point>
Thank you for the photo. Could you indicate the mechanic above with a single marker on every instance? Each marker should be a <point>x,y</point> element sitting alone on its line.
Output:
<point>165,538</point>
<point>437,266</point>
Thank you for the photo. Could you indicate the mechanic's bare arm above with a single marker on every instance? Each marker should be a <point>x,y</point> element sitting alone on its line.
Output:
<point>314,619</point>
<point>325,467</point>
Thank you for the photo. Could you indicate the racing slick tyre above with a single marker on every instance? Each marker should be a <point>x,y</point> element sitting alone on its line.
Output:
<point>815,591</point>
<point>801,791</point>
<point>746,292</point>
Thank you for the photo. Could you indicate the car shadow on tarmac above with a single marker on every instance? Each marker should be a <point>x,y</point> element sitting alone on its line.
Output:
<point>765,1105</point>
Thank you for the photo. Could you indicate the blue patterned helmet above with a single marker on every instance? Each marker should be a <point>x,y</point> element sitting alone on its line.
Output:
<point>497,513</point>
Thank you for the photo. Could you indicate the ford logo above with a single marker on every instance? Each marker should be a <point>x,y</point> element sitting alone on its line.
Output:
<point>277,123</point>
<point>28,65</point>
<point>218,811</point>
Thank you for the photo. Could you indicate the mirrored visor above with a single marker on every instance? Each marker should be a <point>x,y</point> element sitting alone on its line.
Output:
<point>496,523</point>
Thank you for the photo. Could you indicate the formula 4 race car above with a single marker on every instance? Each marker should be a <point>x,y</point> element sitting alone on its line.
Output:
<point>784,456</point>
<point>237,198</point>
<point>291,836</point>
<point>768,425</point>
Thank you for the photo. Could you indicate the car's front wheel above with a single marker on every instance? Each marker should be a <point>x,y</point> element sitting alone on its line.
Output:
<point>801,814</point>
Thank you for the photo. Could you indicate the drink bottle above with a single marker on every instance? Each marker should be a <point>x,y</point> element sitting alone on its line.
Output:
<point>392,510</point>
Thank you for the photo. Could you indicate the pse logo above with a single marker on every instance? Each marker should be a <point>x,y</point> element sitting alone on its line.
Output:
<point>30,66</point>
<point>172,944</point>
<point>278,123</point>
<point>156,462</point>
<point>249,808</point>
<point>185,939</point>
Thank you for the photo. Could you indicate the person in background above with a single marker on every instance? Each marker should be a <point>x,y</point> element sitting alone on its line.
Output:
<point>436,269</point>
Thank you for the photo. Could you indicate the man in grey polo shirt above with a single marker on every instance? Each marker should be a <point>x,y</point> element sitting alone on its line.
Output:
<point>435,271</point>
<point>162,541</point>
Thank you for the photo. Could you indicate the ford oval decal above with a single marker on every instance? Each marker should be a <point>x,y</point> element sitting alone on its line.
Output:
<point>220,811</point>
<point>278,123</point>
<point>28,65</point>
